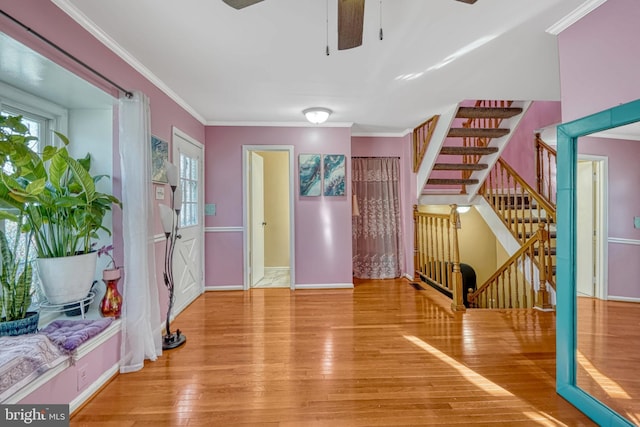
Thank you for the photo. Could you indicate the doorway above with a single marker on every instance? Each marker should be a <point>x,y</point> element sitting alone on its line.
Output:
<point>188,156</point>
<point>591,226</point>
<point>268,216</point>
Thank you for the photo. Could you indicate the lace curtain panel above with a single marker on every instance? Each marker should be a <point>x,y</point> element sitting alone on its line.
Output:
<point>377,252</point>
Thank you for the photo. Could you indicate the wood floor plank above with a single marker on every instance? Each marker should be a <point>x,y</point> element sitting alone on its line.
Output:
<point>382,354</point>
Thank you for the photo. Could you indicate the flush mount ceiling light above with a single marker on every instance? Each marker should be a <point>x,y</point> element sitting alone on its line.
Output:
<point>317,115</point>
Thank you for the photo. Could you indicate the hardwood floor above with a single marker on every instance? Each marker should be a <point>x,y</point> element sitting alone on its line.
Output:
<point>609,354</point>
<point>383,353</point>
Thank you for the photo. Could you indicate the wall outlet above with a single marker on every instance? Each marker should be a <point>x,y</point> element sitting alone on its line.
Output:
<point>83,377</point>
<point>636,222</point>
<point>210,209</point>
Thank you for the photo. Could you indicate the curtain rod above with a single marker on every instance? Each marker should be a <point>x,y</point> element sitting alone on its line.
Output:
<point>375,157</point>
<point>127,93</point>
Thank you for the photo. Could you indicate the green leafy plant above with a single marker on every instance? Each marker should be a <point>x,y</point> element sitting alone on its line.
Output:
<point>15,278</point>
<point>55,192</point>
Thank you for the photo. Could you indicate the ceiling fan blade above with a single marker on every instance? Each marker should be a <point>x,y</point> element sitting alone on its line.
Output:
<point>350,23</point>
<point>468,1</point>
<point>239,4</point>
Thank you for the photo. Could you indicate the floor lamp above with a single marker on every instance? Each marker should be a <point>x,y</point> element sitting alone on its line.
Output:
<point>170,224</point>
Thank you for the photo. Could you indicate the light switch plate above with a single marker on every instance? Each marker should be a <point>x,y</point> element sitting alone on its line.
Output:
<point>159,192</point>
<point>636,222</point>
<point>210,209</point>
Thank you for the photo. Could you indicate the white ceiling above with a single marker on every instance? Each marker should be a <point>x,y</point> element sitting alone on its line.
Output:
<point>267,62</point>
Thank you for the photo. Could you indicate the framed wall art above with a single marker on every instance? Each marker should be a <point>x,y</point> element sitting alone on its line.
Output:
<point>309,174</point>
<point>334,173</point>
<point>159,153</point>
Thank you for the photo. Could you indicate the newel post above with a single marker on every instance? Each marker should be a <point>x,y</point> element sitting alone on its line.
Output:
<point>454,222</point>
<point>543,299</point>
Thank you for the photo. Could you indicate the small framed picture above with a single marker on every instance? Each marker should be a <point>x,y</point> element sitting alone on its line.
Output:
<point>310,174</point>
<point>334,173</point>
<point>159,153</point>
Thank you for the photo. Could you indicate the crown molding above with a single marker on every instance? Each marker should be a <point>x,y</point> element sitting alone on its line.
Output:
<point>573,17</point>
<point>327,124</point>
<point>75,14</point>
<point>383,134</point>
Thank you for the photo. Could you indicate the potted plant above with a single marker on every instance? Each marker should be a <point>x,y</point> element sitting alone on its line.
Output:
<point>61,206</point>
<point>15,279</point>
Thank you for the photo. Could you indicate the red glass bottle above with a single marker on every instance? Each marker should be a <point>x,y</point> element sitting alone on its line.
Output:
<point>111,304</point>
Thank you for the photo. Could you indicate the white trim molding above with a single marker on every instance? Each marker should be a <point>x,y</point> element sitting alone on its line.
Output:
<point>74,13</point>
<point>573,17</point>
<point>622,299</point>
<point>236,229</point>
<point>224,288</point>
<point>623,241</point>
<point>325,286</point>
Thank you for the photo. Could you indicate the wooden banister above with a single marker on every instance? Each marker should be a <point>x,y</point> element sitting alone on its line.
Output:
<point>421,137</point>
<point>512,285</point>
<point>436,253</point>
<point>546,166</point>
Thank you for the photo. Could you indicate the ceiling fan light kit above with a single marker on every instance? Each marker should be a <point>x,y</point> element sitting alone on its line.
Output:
<point>317,115</point>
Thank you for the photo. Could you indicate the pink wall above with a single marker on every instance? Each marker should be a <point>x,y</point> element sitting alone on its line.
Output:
<point>45,18</point>
<point>520,152</point>
<point>63,388</point>
<point>599,61</point>
<point>322,224</point>
<point>599,68</point>
<point>374,146</point>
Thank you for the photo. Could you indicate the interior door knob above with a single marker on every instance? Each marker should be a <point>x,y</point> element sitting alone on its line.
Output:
<point>264,223</point>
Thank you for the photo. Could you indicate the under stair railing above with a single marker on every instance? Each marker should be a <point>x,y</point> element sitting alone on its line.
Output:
<point>480,141</point>
<point>521,282</point>
<point>421,138</point>
<point>546,166</point>
<point>436,253</point>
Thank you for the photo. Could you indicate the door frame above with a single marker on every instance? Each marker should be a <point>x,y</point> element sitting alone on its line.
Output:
<point>174,149</point>
<point>246,183</point>
<point>601,202</point>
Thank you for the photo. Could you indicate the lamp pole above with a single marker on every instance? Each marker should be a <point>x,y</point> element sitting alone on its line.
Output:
<point>170,223</point>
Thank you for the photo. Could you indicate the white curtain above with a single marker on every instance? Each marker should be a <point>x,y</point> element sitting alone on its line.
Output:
<point>377,237</point>
<point>141,337</point>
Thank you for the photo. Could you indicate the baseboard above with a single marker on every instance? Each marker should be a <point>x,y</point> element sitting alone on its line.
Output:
<point>224,288</point>
<point>93,388</point>
<point>622,299</point>
<point>408,277</point>
<point>325,286</point>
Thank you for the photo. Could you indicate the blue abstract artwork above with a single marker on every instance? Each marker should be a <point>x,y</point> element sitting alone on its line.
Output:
<point>334,171</point>
<point>159,153</point>
<point>310,174</point>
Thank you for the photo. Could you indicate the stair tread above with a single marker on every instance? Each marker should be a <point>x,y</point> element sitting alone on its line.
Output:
<point>460,166</point>
<point>460,151</point>
<point>487,112</point>
<point>477,132</point>
<point>452,181</point>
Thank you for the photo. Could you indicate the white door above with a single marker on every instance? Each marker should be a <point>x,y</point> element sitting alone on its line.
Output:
<point>188,259</point>
<point>585,230</point>
<point>257,218</point>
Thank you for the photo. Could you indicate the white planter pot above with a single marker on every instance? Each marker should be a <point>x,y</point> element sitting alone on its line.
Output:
<point>67,279</point>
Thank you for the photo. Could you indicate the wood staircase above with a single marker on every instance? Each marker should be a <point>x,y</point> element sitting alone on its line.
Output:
<point>472,144</point>
<point>468,165</point>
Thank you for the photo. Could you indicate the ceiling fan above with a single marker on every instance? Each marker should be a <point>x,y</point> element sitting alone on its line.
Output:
<point>350,19</point>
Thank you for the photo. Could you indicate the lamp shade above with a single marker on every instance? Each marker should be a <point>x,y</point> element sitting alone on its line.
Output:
<point>168,218</point>
<point>172,173</point>
<point>177,199</point>
<point>317,115</point>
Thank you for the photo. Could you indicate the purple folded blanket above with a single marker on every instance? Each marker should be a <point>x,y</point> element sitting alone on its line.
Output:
<point>70,334</point>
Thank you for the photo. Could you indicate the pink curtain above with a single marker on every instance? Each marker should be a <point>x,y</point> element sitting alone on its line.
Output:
<point>377,252</point>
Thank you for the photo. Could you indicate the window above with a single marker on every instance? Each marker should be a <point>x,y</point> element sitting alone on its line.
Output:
<point>189,187</point>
